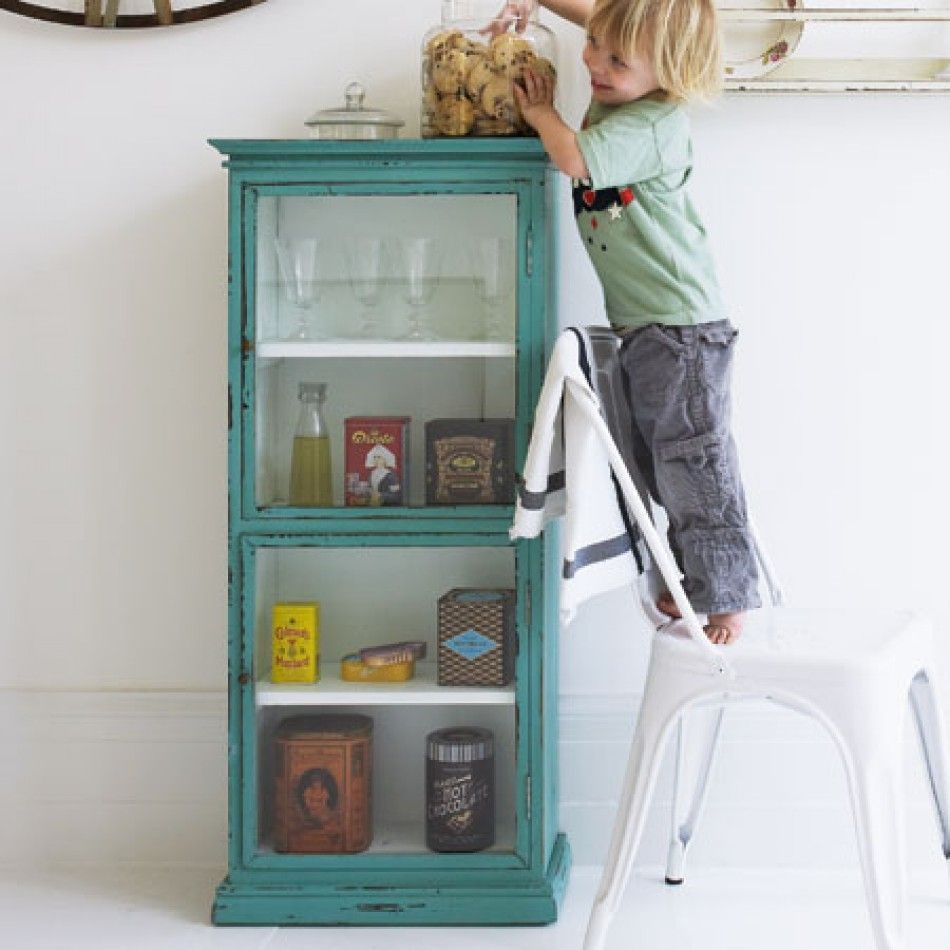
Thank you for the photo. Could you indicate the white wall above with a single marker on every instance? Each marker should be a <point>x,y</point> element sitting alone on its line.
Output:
<point>829,216</point>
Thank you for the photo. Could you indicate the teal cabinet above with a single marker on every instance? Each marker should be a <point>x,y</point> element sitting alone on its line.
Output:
<point>412,279</point>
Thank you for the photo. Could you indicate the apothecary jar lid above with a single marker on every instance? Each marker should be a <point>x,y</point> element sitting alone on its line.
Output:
<point>354,121</point>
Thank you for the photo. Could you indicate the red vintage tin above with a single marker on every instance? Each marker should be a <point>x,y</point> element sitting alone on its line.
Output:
<point>376,470</point>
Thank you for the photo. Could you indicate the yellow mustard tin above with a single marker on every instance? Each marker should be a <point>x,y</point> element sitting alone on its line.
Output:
<point>295,655</point>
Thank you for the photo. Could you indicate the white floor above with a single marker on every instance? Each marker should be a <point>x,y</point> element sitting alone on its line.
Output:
<point>159,908</point>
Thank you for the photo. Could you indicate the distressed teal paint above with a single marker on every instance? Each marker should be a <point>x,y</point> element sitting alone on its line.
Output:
<point>523,886</point>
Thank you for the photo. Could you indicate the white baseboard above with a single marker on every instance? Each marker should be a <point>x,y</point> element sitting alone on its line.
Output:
<point>140,778</point>
<point>114,778</point>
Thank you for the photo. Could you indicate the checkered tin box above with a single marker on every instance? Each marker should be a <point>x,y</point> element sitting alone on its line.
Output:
<point>476,637</point>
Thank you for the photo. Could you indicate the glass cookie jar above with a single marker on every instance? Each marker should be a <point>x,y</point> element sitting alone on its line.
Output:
<point>470,63</point>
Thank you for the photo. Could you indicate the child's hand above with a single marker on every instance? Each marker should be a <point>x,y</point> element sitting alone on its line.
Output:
<point>535,95</point>
<point>514,11</point>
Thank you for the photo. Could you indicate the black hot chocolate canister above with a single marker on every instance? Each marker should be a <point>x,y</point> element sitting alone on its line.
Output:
<point>460,789</point>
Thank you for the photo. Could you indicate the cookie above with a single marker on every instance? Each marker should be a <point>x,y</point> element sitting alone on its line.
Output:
<point>448,72</point>
<point>443,42</point>
<point>545,67</point>
<point>481,73</point>
<point>506,48</point>
<point>454,116</point>
<point>497,100</point>
<point>487,126</point>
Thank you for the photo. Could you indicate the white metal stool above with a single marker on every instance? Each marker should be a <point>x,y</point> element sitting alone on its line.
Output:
<point>854,671</point>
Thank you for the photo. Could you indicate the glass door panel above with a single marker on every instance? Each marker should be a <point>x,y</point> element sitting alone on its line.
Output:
<point>398,774</point>
<point>401,268</point>
<point>368,596</point>
<point>419,390</point>
<point>402,306</point>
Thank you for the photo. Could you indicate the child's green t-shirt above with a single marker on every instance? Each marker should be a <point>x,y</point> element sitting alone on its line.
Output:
<point>645,240</point>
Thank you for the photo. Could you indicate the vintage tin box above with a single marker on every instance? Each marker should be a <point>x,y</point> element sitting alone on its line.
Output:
<point>376,463</point>
<point>470,461</point>
<point>460,789</point>
<point>477,641</point>
<point>323,784</point>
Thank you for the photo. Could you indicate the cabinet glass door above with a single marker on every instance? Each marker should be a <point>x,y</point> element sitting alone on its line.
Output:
<point>371,593</point>
<point>401,306</point>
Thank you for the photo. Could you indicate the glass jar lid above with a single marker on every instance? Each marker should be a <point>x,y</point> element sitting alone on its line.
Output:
<point>352,119</point>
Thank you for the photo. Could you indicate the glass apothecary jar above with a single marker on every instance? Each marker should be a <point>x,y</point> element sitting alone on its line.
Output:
<point>470,63</point>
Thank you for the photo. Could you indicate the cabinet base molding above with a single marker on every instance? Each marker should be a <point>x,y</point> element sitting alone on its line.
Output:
<point>252,898</point>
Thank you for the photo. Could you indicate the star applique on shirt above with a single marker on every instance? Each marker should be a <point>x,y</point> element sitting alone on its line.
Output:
<point>588,199</point>
<point>614,211</point>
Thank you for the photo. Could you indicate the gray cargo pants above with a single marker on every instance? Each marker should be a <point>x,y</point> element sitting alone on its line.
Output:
<point>678,384</point>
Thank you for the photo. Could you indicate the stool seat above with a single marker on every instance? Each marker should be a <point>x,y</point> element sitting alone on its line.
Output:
<point>787,641</point>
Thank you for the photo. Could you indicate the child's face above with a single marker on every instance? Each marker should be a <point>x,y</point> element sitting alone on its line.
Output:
<point>615,79</point>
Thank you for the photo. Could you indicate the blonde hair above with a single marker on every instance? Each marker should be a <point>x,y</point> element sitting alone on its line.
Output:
<point>681,37</point>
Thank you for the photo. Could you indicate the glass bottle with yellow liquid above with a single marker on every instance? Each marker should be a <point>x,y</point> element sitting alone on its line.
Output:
<point>310,472</point>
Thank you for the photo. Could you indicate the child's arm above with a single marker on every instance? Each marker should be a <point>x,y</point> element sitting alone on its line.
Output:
<point>535,97</point>
<point>577,11</point>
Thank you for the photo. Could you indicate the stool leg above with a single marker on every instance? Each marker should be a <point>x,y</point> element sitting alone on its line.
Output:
<point>642,768</point>
<point>933,741</point>
<point>876,784</point>
<point>697,741</point>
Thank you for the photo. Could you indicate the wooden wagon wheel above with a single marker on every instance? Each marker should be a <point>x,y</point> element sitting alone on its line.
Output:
<point>105,13</point>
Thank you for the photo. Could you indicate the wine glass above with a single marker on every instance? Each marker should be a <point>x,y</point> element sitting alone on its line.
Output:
<point>301,265</point>
<point>366,265</point>
<point>494,265</point>
<point>421,260</point>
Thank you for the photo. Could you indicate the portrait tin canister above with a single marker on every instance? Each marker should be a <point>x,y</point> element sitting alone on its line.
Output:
<point>323,784</point>
<point>376,450</point>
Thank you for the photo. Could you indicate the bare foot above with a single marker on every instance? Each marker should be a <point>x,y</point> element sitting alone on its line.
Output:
<point>666,605</point>
<point>724,628</point>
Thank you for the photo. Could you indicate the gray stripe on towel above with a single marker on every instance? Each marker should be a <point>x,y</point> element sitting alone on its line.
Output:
<point>534,500</point>
<point>595,553</point>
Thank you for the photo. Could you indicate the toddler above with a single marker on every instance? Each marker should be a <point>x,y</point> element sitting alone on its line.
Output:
<point>630,164</point>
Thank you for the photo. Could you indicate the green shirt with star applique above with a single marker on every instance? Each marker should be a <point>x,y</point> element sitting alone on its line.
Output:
<point>645,239</point>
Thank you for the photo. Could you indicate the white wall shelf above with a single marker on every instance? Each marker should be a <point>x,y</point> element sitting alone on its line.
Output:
<point>891,15</point>
<point>790,46</point>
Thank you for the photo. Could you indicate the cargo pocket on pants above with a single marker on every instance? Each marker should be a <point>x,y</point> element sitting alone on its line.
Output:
<point>690,475</point>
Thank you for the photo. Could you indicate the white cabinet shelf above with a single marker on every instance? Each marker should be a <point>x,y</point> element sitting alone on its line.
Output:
<point>407,837</point>
<point>385,349</point>
<point>421,690</point>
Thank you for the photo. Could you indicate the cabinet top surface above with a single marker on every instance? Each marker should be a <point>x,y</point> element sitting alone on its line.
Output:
<point>304,150</point>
